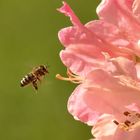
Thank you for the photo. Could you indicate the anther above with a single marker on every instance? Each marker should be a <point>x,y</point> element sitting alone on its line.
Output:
<point>126,113</point>
<point>138,115</point>
<point>128,123</point>
<point>117,123</point>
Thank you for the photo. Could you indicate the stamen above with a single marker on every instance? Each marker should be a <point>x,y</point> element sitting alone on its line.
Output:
<point>70,74</point>
<point>138,115</point>
<point>117,123</point>
<point>126,113</point>
<point>125,126</point>
<point>71,77</point>
<point>132,121</point>
<point>128,123</point>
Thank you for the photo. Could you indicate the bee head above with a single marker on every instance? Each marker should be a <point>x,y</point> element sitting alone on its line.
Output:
<point>44,68</point>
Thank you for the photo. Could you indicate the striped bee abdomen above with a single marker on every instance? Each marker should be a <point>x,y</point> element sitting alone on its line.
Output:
<point>29,78</point>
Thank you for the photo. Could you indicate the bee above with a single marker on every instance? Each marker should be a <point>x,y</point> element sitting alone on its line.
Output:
<point>34,76</point>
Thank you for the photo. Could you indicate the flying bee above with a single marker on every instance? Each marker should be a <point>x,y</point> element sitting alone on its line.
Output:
<point>34,76</point>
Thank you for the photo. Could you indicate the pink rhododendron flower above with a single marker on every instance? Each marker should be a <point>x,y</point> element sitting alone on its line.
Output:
<point>102,56</point>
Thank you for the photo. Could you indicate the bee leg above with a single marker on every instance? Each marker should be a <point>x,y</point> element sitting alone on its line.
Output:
<point>39,79</point>
<point>35,85</point>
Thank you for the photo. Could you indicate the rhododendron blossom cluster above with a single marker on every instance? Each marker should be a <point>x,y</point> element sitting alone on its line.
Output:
<point>102,57</point>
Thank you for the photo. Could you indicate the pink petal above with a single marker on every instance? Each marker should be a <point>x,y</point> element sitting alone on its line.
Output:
<point>79,109</point>
<point>104,127</point>
<point>123,135</point>
<point>98,94</point>
<point>125,67</point>
<point>138,70</point>
<point>136,9</point>
<point>117,13</point>
<point>81,62</point>
<point>133,107</point>
<point>106,89</point>
<point>68,12</point>
<point>85,44</point>
<point>114,39</point>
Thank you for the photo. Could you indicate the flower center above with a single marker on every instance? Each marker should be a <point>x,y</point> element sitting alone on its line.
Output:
<point>131,122</point>
<point>71,77</point>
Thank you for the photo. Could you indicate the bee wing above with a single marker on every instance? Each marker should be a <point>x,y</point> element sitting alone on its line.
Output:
<point>34,69</point>
<point>35,85</point>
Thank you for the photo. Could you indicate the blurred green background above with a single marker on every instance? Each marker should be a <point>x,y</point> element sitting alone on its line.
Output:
<point>28,37</point>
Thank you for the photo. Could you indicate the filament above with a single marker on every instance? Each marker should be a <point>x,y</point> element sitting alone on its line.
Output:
<point>71,77</point>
